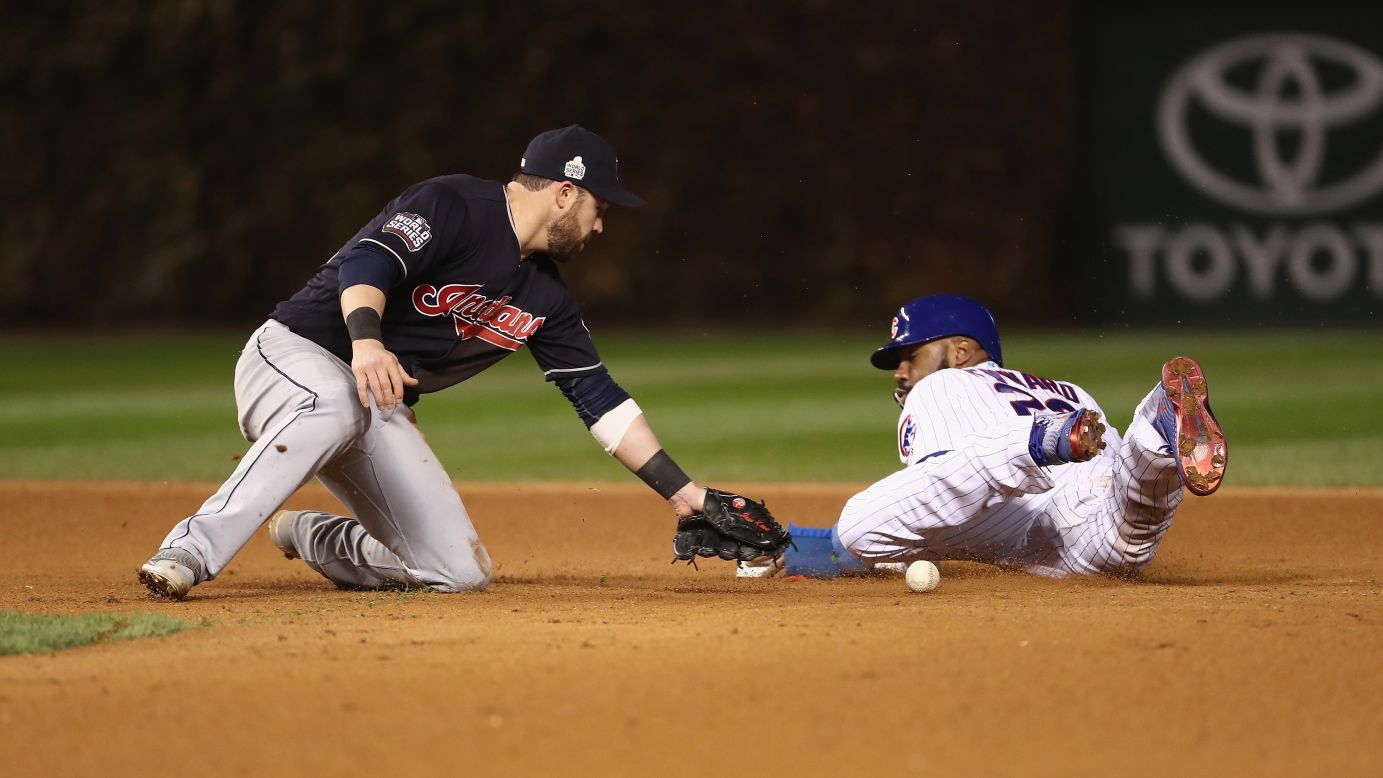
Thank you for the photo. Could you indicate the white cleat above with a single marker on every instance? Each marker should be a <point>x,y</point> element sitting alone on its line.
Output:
<point>901,568</point>
<point>763,567</point>
<point>280,532</point>
<point>167,579</point>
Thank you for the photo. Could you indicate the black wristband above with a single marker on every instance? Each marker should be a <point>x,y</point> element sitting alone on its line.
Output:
<point>663,475</point>
<point>363,324</point>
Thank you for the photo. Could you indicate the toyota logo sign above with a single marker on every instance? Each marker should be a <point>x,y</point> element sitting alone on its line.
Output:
<point>1288,100</point>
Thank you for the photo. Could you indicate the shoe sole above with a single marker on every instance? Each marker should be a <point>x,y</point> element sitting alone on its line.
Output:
<point>1202,453</point>
<point>1086,436</point>
<point>161,586</point>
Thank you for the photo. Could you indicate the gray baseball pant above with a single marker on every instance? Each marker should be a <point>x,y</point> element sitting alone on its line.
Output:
<point>298,406</point>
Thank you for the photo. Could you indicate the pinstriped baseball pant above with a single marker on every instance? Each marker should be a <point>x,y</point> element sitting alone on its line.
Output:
<point>988,501</point>
<point>297,404</point>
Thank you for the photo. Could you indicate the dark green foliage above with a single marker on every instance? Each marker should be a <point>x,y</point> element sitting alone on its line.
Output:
<point>809,162</point>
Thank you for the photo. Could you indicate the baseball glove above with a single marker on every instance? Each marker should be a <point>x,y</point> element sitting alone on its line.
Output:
<point>732,527</point>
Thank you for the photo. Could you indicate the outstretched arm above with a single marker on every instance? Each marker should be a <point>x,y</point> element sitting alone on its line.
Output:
<point>618,424</point>
<point>640,451</point>
<point>711,523</point>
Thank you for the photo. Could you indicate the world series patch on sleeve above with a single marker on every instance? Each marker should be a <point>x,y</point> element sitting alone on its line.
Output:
<point>731,527</point>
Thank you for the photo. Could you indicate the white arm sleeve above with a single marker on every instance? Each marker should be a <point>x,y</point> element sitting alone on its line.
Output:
<point>609,429</point>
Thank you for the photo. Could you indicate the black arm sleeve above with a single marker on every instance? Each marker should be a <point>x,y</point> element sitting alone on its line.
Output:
<point>592,395</point>
<point>367,263</point>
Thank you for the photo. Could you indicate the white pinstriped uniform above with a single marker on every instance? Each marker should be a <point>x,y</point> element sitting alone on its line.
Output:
<point>971,491</point>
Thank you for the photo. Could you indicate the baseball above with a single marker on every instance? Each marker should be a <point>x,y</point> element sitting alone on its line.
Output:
<point>923,576</point>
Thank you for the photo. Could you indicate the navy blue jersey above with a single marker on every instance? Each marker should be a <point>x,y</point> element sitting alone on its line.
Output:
<point>463,298</point>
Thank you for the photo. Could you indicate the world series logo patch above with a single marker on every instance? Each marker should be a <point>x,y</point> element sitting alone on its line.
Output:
<point>574,168</point>
<point>411,228</point>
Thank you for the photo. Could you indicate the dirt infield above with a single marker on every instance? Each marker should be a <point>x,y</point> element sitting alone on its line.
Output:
<point>1250,647</point>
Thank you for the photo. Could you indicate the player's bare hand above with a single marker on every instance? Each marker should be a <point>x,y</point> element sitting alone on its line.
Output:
<point>378,371</point>
<point>688,501</point>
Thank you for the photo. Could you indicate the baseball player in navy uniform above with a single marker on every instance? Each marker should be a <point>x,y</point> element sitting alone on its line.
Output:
<point>453,275</point>
<point>1013,469</point>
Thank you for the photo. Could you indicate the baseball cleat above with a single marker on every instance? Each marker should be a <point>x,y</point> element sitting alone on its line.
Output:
<point>280,532</point>
<point>166,578</point>
<point>1059,438</point>
<point>1084,435</point>
<point>1194,434</point>
<point>763,567</point>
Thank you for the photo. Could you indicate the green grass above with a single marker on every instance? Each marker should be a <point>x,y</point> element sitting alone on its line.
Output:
<point>1301,408</point>
<point>33,633</point>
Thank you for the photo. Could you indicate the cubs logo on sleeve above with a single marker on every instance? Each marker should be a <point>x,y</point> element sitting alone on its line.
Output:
<point>411,228</point>
<point>907,430</point>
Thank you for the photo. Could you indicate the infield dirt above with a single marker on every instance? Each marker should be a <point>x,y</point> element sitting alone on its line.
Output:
<point>1249,647</point>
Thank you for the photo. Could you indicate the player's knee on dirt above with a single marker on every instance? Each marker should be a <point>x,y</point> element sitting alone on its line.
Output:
<point>467,570</point>
<point>454,583</point>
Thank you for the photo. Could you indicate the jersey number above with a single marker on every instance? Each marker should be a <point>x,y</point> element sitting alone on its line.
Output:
<point>1031,404</point>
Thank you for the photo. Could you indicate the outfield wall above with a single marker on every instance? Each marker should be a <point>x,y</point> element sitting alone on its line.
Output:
<point>805,164</point>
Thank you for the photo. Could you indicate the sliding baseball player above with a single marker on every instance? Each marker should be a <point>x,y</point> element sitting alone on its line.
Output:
<point>1013,469</point>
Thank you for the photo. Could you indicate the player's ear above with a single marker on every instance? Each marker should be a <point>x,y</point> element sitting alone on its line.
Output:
<point>565,195</point>
<point>967,351</point>
<point>960,350</point>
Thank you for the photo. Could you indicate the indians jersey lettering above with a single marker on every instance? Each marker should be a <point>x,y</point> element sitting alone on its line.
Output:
<point>477,316</point>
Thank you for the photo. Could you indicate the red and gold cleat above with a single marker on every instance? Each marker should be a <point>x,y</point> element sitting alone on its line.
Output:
<point>1086,436</point>
<point>1200,450</point>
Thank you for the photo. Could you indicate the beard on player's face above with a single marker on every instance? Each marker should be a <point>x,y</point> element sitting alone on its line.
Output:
<point>938,359</point>
<point>565,238</point>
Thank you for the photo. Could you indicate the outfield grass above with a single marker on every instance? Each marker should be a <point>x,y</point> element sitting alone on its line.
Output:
<point>1301,408</point>
<point>32,633</point>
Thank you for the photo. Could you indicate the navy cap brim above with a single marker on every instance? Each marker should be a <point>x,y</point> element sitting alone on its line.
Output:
<point>885,357</point>
<point>617,195</point>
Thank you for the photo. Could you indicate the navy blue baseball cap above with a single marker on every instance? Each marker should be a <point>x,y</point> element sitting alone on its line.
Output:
<point>580,156</point>
<point>938,316</point>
